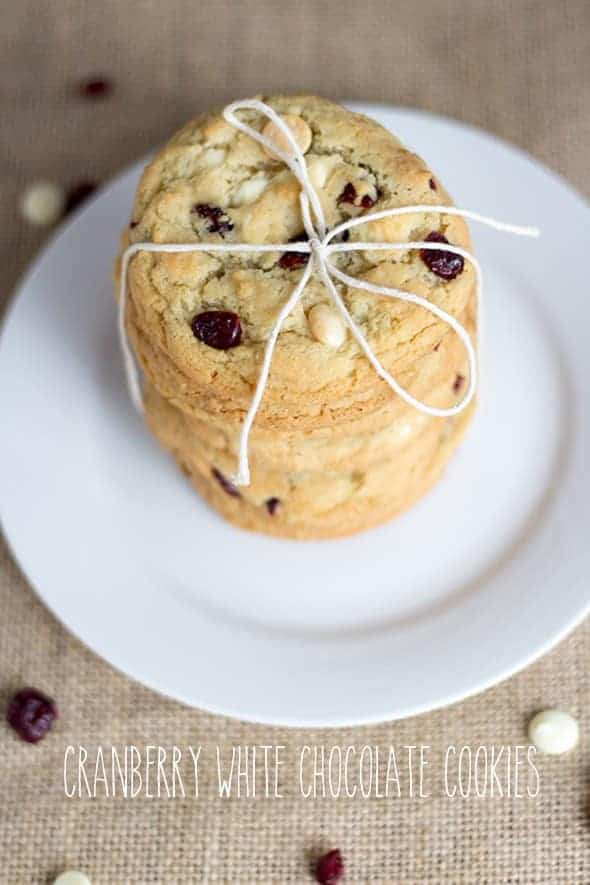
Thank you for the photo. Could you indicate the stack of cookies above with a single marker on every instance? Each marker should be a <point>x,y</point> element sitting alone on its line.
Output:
<point>333,450</point>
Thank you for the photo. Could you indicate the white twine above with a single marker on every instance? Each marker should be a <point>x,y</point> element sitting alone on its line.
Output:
<point>319,245</point>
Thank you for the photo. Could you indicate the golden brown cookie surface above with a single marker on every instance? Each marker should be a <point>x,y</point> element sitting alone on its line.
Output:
<point>214,184</point>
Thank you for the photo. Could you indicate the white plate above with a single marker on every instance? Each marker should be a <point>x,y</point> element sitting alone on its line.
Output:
<point>486,573</point>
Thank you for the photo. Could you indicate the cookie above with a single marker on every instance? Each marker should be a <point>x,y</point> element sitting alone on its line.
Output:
<point>210,164</point>
<point>314,504</point>
<point>362,440</point>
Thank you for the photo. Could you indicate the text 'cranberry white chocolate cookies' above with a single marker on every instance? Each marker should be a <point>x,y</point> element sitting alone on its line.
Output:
<point>332,449</point>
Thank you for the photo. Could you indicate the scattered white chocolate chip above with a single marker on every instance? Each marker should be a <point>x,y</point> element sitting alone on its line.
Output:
<point>326,326</point>
<point>72,877</point>
<point>554,732</point>
<point>249,190</point>
<point>43,203</point>
<point>299,129</point>
<point>213,157</point>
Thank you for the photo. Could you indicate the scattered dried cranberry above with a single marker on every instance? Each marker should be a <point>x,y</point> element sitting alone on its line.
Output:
<point>217,328</point>
<point>348,195</point>
<point>95,87</point>
<point>272,504</point>
<point>329,868</point>
<point>225,484</point>
<point>133,224</point>
<point>31,714</point>
<point>458,383</point>
<point>78,194</point>
<point>432,184</point>
<point>219,223</point>
<point>446,265</point>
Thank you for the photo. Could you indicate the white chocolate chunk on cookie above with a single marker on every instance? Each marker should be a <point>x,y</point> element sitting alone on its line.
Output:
<point>213,157</point>
<point>299,129</point>
<point>320,168</point>
<point>250,190</point>
<point>326,326</point>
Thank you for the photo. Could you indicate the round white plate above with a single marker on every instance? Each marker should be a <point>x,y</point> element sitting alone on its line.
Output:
<point>485,574</point>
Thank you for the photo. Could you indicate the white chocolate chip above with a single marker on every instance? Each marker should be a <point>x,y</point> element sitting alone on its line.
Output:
<point>326,326</point>
<point>72,877</point>
<point>319,169</point>
<point>213,157</point>
<point>554,732</point>
<point>43,203</point>
<point>250,190</point>
<point>299,129</point>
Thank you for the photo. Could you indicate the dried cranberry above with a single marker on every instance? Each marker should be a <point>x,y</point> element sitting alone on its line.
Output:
<point>31,714</point>
<point>458,383</point>
<point>217,328</point>
<point>95,87</point>
<point>272,504</point>
<point>432,184</point>
<point>225,484</point>
<point>219,223</point>
<point>348,195</point>
<point>133,224</point>
<point>446,265</point>
<point>329,868</point>
<point>289,260</point>
<point>78,193</point>
<point>367,202</point>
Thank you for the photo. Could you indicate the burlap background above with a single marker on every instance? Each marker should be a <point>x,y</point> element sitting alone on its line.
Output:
<point>518,69</point>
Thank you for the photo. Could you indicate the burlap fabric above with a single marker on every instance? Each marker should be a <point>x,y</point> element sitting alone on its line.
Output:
<point>518,69</point>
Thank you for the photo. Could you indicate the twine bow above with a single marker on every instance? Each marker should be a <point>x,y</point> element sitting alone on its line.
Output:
<point>320,246</point>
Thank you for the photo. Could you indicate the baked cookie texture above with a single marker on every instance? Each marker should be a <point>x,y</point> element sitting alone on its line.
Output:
<point>333,450</point>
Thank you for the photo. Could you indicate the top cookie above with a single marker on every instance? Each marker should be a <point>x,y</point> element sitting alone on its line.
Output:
<point>212,183</point>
